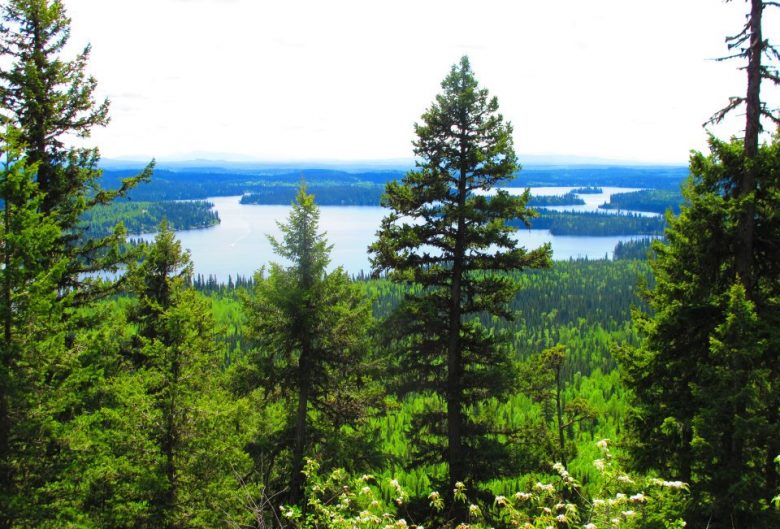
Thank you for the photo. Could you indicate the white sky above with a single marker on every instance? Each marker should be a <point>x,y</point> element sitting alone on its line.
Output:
<point>343,79</point>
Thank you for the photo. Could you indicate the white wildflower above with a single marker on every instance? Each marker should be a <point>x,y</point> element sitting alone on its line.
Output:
<point>590,526</point>
<point>628,514</point>
<point>523,496</point>
<point>603,444</point>
<point>624,479</point>
<point>561,518</point>
<point>638,498</point>
<point>600,465</point>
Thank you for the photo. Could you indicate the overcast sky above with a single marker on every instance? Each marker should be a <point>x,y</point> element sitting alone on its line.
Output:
<point>338,79</point>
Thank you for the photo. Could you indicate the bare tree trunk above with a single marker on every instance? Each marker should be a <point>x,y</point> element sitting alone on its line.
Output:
<point>744,263</point>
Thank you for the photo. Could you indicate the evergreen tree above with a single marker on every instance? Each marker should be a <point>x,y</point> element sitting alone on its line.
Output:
<point>27,308</point>
<point>705,381</point>
<point>310,329</point>
<point>50,99</point>
<point>453,243</point>
<point>187,460</point>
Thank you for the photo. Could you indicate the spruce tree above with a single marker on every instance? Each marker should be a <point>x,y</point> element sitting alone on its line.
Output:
<point>452,243</point>
<point>310,329</point>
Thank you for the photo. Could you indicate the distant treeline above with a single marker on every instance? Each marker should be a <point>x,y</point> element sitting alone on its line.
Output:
<point>595,224</point>
<point>587,191</point>
<point>197,183</point>
<point>657,177</point>
<point>145,217</point>
<point>636,249</point>
<point>655,200</point>
<point>569,199</point>
<point>360,194</point>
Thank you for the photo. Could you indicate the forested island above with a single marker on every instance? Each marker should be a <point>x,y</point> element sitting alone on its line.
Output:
<point>655,200</point>
<point>469,383</point>
<point>595,223</point>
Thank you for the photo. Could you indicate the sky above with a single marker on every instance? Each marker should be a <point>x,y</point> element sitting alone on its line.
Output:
<point>346,80</point>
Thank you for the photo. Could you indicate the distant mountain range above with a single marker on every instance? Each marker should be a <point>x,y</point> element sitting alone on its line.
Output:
<point>230,164</point>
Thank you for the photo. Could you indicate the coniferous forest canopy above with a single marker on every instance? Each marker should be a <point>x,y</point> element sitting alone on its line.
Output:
<point>468,383</point>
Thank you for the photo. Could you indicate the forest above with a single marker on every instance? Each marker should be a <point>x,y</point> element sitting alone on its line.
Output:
<point>481,385</point>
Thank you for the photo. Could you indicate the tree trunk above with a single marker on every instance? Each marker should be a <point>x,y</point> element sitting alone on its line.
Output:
<point>170,444</point>
<point>5,368</point>
<point>559,410</point>
<point>744,262</point>
<point>455,456</point>
<point>299,447</point>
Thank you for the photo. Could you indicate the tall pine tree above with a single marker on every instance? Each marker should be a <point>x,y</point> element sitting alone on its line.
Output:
<point>452,242</point>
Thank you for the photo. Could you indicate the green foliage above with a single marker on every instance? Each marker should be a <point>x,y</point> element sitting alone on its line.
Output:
<point>49,99</point>
<point>357,194</point>
<point>655,200</point>
<point>567,199</point>
<point>310,329</point>
<point>31,339</point>
<point>144,217</point>
<point>595,223</point>
<point>705,379</point>
<point>636,249</point>
<point>456,249</point>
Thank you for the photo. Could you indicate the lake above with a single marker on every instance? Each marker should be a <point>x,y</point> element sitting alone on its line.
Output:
<point>238,245</point>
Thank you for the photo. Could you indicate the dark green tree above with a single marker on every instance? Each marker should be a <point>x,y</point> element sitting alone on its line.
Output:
<point>310,328</point>
<point>705,380</point>
<point>452,242</point>
<point>50,100</point>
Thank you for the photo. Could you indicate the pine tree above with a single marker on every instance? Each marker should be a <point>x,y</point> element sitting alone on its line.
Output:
<point>310,330</point>
<point>50,99</point>
<point>451,242</point>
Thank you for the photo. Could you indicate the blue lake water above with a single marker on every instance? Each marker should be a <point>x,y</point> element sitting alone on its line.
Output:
<point>239,245</point>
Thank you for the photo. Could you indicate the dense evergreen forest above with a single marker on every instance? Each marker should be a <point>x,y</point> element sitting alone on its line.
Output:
<point>595,223</point>
<point>654,200</point>
<point>481,385</point>
<point>145,217</point>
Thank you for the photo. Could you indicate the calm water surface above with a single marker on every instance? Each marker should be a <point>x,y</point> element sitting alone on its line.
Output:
<point>238,245</point>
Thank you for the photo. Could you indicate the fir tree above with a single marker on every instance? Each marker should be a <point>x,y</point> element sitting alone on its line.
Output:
<point>452,242</point>
<point>310,330</point>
